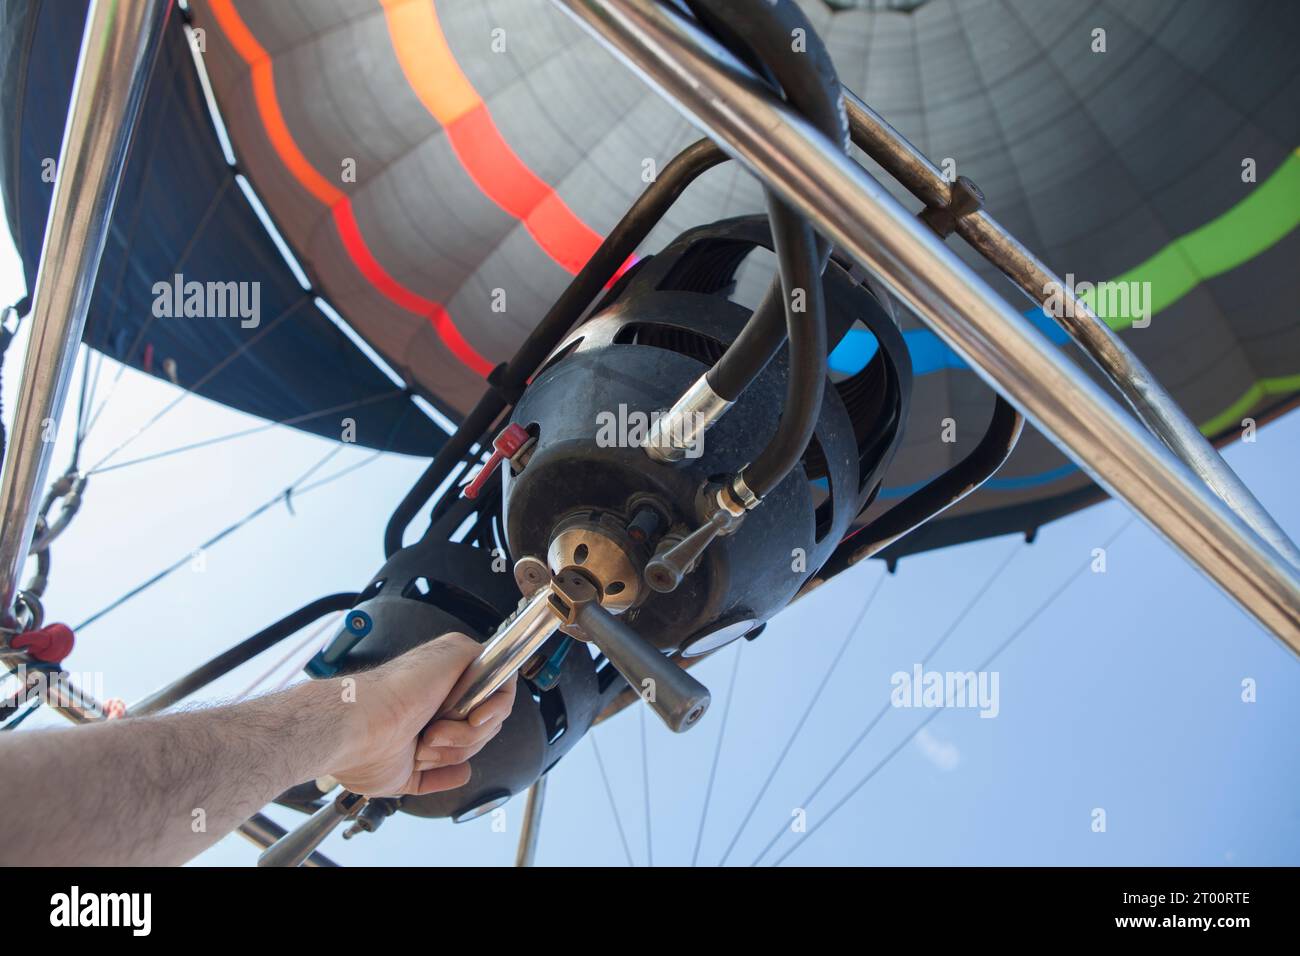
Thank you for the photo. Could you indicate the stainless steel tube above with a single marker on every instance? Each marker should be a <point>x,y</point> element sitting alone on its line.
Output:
<point>261,831</point>
<point>514,642</point>
<point>118,48</point>
<point>527,852</point>
<point>299,844</point>
<point>56,691</point>
<point>855,212</point>
<point>678,432</point>
<point>505,652</point>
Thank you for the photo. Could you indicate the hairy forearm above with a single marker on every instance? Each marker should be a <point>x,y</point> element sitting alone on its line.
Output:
<point>158,790</point>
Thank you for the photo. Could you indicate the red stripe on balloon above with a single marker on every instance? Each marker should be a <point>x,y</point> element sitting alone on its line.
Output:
<point>350,233</point>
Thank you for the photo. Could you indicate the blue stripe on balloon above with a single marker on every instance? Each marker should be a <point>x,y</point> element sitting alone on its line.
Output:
<point>929,355</point>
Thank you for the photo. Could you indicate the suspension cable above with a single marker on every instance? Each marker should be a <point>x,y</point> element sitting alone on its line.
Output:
<point>299,487</point>
<point>983,666</point>
<point>609,792</point>
<point>211,373</point>
<point>880,714</point>
<point>284,495</point>
<point>208,442</point>
<point>717,750</point>
<point>803,719</point>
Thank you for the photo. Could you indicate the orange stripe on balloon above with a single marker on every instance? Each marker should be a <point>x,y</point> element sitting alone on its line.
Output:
<point>329,195</point>
<point>427,60</point>
<point>496,170</point>
<point>268,107</point>
<point>438,81</point>
<point>237,32</point>
<point>268,103</point>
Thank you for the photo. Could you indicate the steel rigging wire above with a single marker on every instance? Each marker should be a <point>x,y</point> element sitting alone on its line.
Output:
<point>876,719</point>
<point>298,487</point>
<point>865,779</point>
<point>849,634</point>
<point>717,752</point>
<point>609,792</point>
<point>880,714</point>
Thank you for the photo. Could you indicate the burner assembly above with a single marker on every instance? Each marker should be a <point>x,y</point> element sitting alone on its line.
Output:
<point>642,542</point>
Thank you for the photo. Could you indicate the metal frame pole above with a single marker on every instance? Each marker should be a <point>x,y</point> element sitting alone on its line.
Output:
<point>261,831</point>
<point>118,49</point>
<point>532,827</point>
<point>845,204</point>
<point>58,693</point>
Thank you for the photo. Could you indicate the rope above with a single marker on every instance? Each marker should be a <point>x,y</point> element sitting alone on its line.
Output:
<point>314,633</point>
<point>297,669</point>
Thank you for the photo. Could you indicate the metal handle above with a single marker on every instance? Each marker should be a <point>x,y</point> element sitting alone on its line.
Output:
<point>518,637</point>
<point>515,641</point>
<point>677,697</point>
<point>297,845</point>
<point>665,571</point>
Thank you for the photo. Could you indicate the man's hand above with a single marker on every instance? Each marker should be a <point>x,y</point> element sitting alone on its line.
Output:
<point>133,792</point>
<point>391,748</point>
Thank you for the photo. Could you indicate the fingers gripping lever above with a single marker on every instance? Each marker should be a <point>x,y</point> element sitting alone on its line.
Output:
<point>569,601</point>
<point>678,698</point>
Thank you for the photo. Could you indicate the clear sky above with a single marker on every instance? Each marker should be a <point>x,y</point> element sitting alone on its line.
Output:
<point>1123,692</point>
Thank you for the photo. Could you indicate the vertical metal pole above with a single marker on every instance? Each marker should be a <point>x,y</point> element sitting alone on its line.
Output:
<point>118,49</point>
<point>527,851</point>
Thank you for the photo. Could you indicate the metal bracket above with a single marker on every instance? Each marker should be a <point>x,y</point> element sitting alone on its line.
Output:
<point>965,198</point>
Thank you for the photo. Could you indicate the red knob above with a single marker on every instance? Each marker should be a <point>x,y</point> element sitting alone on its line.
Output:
<point>51,644</point>
<point>506,445</point>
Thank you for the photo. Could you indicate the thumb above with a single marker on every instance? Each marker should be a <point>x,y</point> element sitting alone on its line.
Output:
<point>432,669</point>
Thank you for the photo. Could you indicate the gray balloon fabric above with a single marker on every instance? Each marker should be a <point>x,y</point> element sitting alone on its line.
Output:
<point>443,168</point>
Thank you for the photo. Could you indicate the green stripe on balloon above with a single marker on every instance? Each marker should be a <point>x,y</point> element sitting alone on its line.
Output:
<point>1232,415</point>
<point>1247,229</point>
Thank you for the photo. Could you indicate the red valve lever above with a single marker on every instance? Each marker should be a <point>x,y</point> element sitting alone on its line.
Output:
<point>506,445</point>
<point>51,644</point>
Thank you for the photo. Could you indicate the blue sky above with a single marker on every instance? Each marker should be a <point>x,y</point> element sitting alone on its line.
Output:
<point>1123,693</point>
